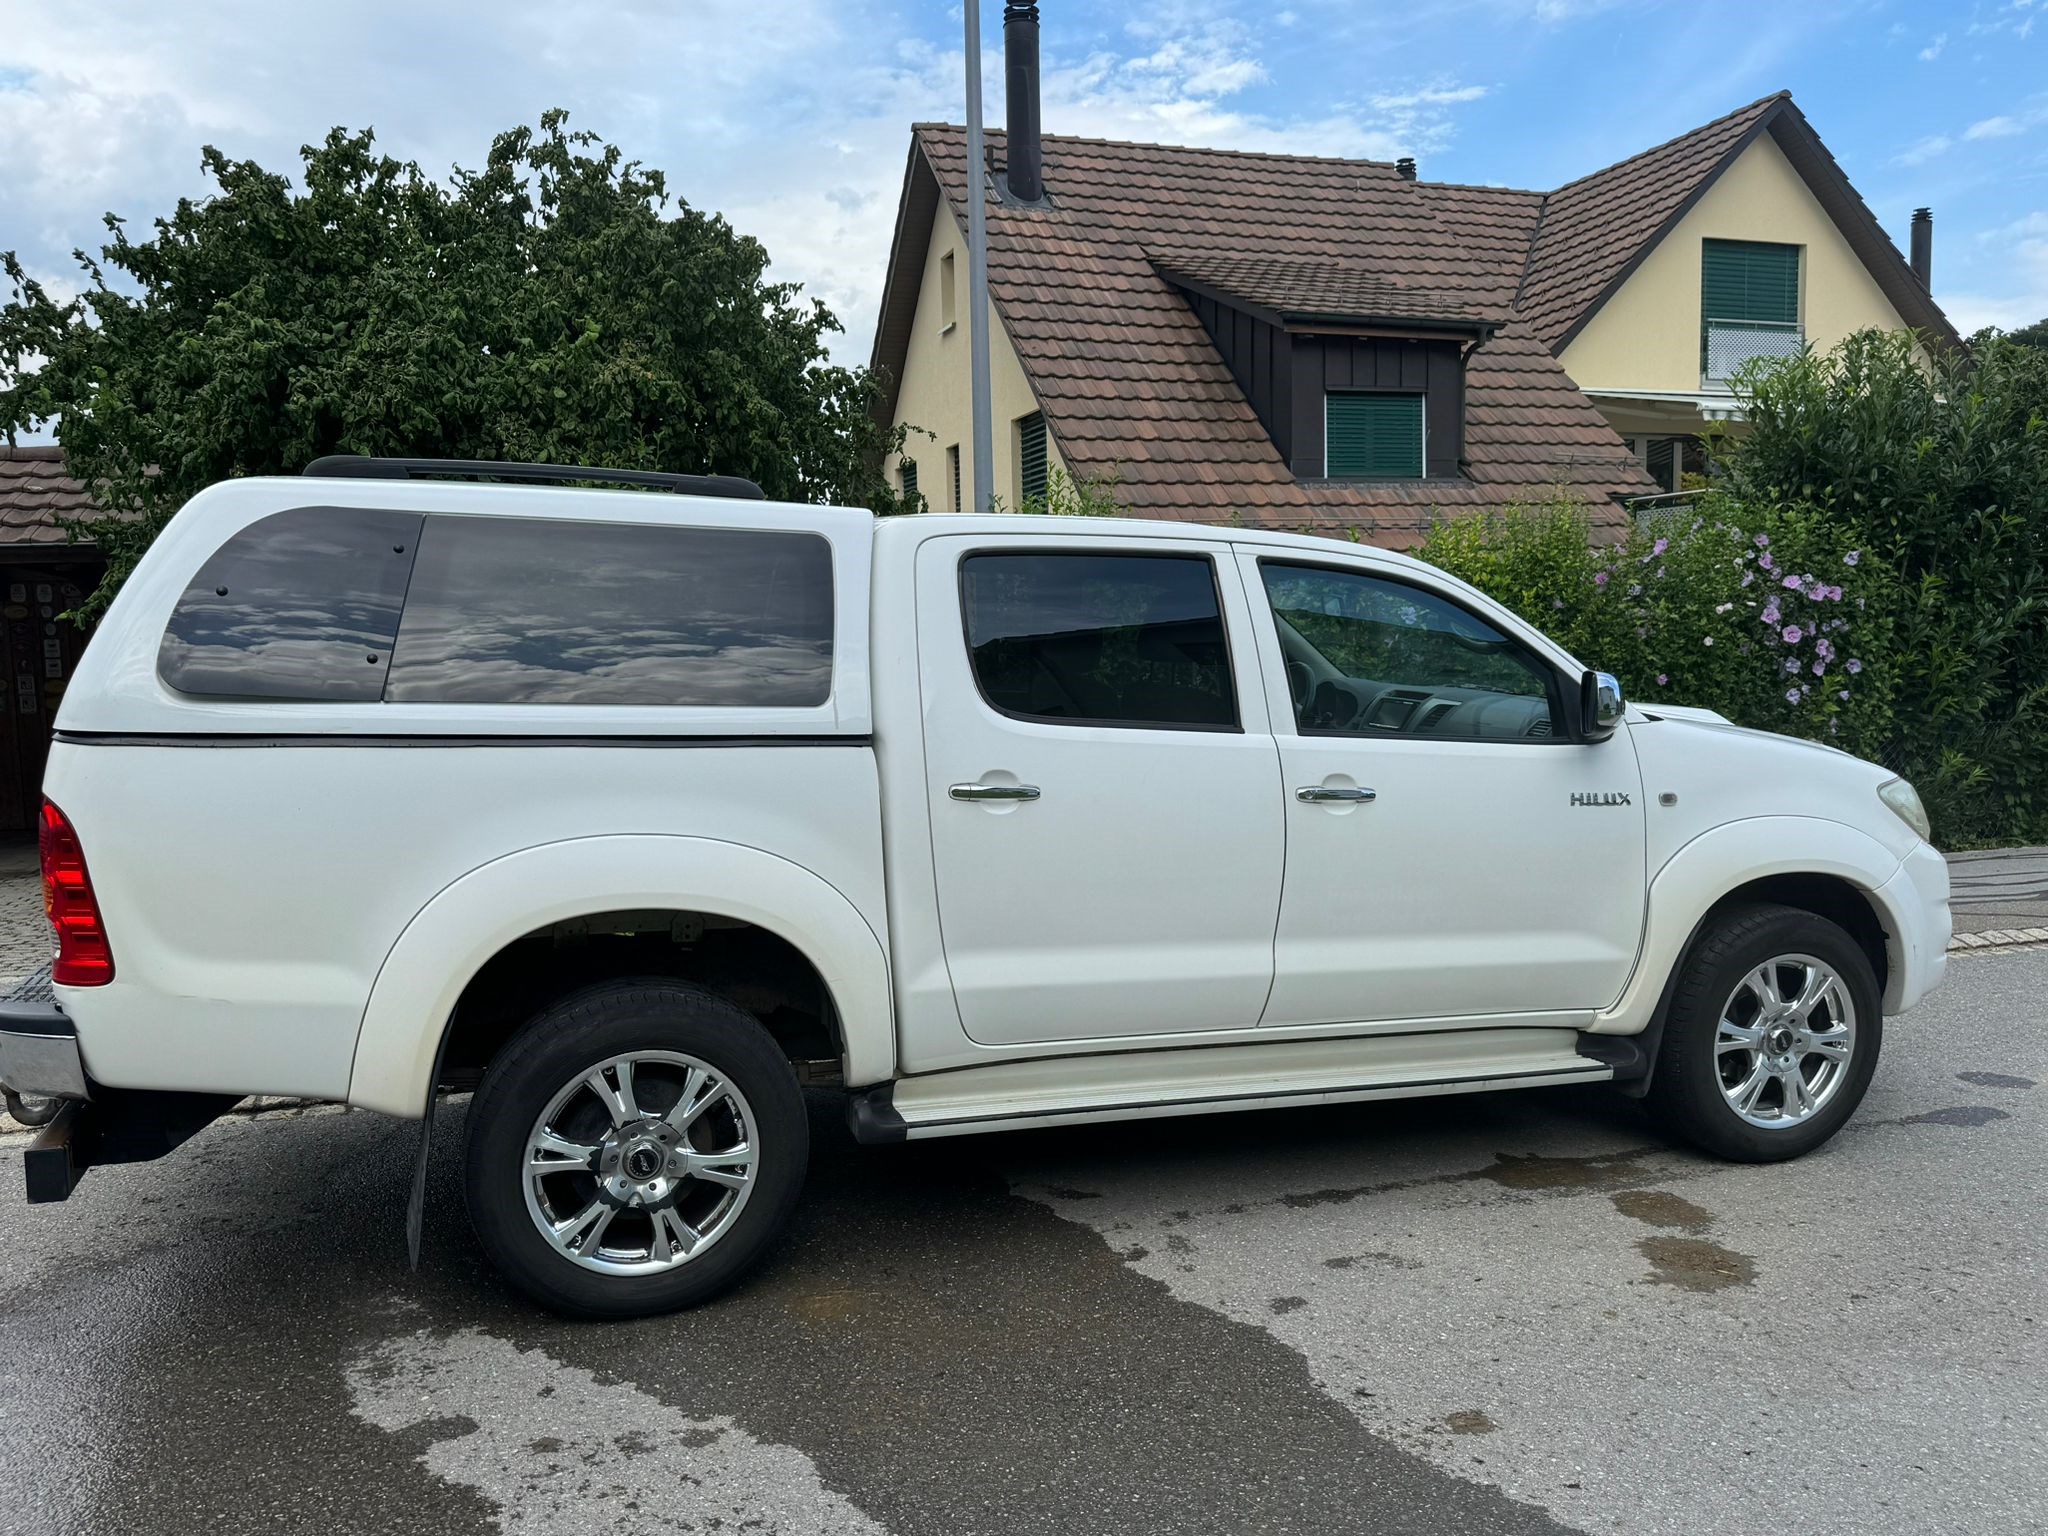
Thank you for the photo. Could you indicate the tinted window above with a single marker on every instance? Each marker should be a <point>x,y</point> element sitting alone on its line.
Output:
<point>301,605</point>
<point>1105,639</point>
<point>1367,657</point>
<point>526,611</point>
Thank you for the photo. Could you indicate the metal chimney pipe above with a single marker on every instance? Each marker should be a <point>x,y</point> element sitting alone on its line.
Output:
<point>1405,168</point>
<point>1922,259</point>
<point>1026,175</point>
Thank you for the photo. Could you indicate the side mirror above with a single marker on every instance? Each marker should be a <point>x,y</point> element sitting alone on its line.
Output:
<point>1600,706</point>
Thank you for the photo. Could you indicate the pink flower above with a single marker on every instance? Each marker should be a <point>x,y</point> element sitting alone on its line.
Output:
<point>1748,577</point>
<point>1763,541</point>
<point>1660,546</point>
<point>1852,557</point>
<point>1855,666</point>
<point>1662,679</point>
<point>1765,562</point>
<point>1843,695</point>
<point>1791,633</point>
<point>1794,695</point>
<point>1599,578</point>
<point>1792,583</point>
<point>1770,613</point>
<point>1820,669</point>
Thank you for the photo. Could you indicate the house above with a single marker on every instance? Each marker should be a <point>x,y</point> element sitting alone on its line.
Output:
<point>1339,345</point>
<point>44,574</point>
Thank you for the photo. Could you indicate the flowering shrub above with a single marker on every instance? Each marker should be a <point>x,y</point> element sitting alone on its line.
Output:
<point>1773,621</point>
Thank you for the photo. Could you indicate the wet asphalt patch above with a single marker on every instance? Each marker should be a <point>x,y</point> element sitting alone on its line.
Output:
<point>928,1353</point>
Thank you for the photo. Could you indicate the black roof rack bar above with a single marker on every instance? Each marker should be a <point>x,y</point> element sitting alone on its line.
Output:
<point>349,466</point>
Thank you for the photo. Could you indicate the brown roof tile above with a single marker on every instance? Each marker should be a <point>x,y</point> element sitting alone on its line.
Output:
<point>1134,391</point>
<point>1592,229</point>
<point>35,491</point>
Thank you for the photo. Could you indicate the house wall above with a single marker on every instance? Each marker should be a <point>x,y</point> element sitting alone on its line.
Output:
<point>935,393</point>
<point>1648,335</point>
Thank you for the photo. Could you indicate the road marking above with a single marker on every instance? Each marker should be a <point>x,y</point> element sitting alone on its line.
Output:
<point>560,1452</point>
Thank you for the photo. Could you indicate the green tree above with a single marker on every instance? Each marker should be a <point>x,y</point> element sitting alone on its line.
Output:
<point>2035,335</point>
<point>557,305</point>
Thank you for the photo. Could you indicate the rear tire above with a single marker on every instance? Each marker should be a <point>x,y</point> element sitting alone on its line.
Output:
<point>1773,1035</point>
<point>634,1149</point>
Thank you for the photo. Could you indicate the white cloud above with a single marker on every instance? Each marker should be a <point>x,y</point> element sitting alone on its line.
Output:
<point>1924,151</point>
<point>2018,250</point>
<point>790,117</point>
<point>1994,128</point>
<point>1933,50</point>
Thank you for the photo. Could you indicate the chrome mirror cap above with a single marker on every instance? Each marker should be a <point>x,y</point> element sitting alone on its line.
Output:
<point>1601,706</point>
<point>1608,704</point>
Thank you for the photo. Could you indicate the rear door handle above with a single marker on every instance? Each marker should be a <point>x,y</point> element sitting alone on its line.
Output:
<point>994,791</point>
<point>1322,794</point>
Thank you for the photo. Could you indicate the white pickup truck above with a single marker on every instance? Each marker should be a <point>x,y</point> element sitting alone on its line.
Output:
<point>631,810</point>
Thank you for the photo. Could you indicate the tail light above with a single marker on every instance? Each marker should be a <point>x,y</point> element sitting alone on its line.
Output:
<point>83,956</point>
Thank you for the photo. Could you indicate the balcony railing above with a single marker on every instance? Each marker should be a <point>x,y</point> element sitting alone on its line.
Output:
<point>1731,343</point>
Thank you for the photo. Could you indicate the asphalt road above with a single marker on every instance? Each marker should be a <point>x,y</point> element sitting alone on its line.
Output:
<point>1503,1313</point>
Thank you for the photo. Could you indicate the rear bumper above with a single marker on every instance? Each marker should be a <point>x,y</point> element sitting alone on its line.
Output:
<point>39,1058</point>
<point>39,1054</point>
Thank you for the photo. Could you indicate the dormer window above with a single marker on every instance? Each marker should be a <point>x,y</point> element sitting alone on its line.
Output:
<point>1373,435</point>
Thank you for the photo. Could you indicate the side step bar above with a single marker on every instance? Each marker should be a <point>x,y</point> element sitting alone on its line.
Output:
<point>1134,1085</point>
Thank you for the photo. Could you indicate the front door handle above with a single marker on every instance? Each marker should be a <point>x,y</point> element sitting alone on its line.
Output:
<point>1322,794</point>
<point>994,791</point>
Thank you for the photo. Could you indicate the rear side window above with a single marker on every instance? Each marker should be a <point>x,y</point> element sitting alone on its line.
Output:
<point>533,611</point>
<point>300,605</point>
<point>1101,639</point>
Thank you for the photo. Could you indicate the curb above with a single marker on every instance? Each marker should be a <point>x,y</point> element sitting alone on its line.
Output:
<point>1997,938</point>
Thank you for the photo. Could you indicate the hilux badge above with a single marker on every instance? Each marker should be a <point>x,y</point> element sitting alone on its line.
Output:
<point>1602,797</point>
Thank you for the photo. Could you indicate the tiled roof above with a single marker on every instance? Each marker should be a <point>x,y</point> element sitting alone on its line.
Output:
<point>1134,391</point>
<point>1300,288</point>
<point>1594,228</point>
<point>35,491</point>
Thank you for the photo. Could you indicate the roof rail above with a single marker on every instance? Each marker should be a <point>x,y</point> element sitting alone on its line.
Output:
<point>349,466</point>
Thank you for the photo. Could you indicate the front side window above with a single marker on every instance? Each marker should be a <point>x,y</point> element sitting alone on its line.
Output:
<point>1099,639</point>
<point>515,610</point>
<point>1370,434</point>
<point>1370,657</point>
<point>303,604</point>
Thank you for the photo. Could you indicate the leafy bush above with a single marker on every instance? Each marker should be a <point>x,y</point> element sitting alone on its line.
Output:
<point>1870,570</point>
<point>1940,469</point>
<point>1774,621</point>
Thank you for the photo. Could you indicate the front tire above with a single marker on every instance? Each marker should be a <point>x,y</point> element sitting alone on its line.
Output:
<point>634,1149</point>
<point>1772,1038</point>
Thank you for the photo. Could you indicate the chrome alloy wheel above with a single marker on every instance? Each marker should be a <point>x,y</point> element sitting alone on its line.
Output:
<point>641,1163</point>
<point>1784,1042</point>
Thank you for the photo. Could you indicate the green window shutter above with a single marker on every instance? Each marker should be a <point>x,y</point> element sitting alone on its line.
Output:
<point>1030,456</point>
<point>1372,435</point>
<point>1748,280</point>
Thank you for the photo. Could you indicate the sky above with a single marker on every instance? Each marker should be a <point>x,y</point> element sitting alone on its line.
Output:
<point>791,117</point>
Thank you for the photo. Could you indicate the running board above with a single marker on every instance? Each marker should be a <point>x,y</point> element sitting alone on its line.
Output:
<point>1195,1080</point>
